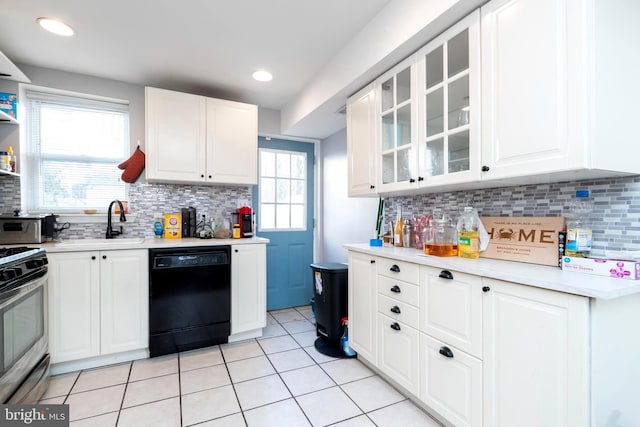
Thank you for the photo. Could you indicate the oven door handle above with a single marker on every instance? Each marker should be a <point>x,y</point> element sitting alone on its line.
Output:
<point>9,296</point>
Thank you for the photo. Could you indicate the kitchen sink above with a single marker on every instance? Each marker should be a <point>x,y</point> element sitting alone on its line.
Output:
<point>116,241</point>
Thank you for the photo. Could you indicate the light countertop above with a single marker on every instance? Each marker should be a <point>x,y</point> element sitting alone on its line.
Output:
<point>541,276</point>
<point>121,243</point>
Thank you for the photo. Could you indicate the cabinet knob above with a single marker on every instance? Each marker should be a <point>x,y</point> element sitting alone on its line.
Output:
<point>445,274</point>
<point>395,309</point>
<point>395,289</point>
<point>202,176</point>
<point>373,261</point>
<point>486,289</point>
<point>485,169</point>
<point>104,257</point>
<point>396,327</point>
<point>395,268</point>
<point>372,186</point>
<point>420,178</point>
<point>209,176</point>
<point>93,257</point>
<point>411,180</point>
<point>446,351</point>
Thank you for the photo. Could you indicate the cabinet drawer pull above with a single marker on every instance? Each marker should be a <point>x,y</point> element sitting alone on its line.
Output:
<point>445,274</point>
<point>411,180</point>
<point>396,327</point>
<point>486,289</point>
<point>485,169</point>
<point>446,351</point>
<point>373,261</point>
<point>395,289</point>
<point>93,257</point>
<point>395,309</point>
<point>395,268</point>
<point>104,257</point>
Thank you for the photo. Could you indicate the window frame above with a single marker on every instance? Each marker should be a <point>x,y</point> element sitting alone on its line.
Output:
<point>304,203</point>
<point>30,156</point>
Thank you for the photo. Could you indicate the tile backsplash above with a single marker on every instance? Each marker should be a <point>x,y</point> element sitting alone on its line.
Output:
<point>615,219</point>
<point>146,200</point>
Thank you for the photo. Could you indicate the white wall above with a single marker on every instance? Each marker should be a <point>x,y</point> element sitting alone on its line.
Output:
<point>343,219</point>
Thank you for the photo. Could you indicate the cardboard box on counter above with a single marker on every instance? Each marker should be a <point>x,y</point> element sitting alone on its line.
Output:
<point>603,267</point>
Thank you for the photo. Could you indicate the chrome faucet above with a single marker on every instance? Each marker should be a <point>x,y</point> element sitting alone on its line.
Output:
<point>111,233</point>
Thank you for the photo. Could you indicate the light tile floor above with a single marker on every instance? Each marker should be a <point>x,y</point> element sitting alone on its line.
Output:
<point>277,380</point>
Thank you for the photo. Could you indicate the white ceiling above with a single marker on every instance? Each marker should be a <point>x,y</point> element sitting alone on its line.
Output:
<point>203,46</point>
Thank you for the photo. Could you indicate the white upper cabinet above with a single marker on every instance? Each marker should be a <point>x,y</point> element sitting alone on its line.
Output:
<point>554,90</point>
<point>396,123</point>
<point>361,119</point>
<point>232,142</point>
<point>518,92</point>
<point>176,136</point>
<point>448,104</point>
<point>194,139</point>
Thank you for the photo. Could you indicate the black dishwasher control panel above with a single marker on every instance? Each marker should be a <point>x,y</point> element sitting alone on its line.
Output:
<point>183,260</point>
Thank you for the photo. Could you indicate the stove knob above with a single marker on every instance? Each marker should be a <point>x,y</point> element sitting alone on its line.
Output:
<point>7,274</point>
<point>34,263</point>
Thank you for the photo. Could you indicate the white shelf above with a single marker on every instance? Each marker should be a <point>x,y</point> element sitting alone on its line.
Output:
<point>7,119</point>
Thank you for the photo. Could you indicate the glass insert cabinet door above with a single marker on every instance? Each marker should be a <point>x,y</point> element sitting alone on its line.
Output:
<point>446,95</point>
<point>396,126</point>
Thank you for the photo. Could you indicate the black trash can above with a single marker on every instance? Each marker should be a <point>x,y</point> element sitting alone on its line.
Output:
<point>330,300</point>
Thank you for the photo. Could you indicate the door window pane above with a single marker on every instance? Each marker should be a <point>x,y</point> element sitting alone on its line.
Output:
<point>283,190</point>
<point>268,190</point>
<point>404,165</point>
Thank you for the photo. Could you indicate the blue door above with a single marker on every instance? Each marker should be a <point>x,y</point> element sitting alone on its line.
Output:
<point>283,202</point>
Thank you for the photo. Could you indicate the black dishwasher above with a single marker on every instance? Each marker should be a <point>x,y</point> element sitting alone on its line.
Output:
<point>189,298</point>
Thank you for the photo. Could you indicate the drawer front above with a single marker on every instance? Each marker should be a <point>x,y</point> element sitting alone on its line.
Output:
<point>398,353</point>
<point>399,290</point>
<point>451,382</point>
<point>405,271</point>
<point>399,311</point>
<point>451,308</point>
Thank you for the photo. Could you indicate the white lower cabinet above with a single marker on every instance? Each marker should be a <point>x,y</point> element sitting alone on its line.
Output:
<point>451,382</point>
<point>398,355</point>
<point>536,357</point>
<point>248,288</point>
<point>483,352</point>
<point>98,303</point>
<point>362,305</point>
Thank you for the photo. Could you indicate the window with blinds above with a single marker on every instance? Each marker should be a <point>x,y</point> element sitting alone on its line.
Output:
<point>74,145</point>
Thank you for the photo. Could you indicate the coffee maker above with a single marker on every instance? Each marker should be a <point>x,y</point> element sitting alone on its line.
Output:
<point>245,220</point>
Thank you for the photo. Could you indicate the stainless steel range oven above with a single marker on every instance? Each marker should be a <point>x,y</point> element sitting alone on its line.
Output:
<point>24,358</point>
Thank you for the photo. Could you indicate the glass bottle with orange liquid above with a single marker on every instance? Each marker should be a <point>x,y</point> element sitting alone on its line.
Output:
<point>397,233</point>
<point>440,237</point>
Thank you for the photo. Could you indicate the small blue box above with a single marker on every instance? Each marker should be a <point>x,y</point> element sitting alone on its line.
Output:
<point>9,104</point>
<point>375,242</point>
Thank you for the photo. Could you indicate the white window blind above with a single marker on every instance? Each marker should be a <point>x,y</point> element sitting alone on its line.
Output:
<point>74,145</point>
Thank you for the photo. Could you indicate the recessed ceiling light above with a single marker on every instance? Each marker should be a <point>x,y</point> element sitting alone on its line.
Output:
<point>55,26</point>
<point>262,76</point>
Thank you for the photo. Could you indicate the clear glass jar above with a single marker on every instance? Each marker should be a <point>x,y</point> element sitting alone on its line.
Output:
<point>440,237</point>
